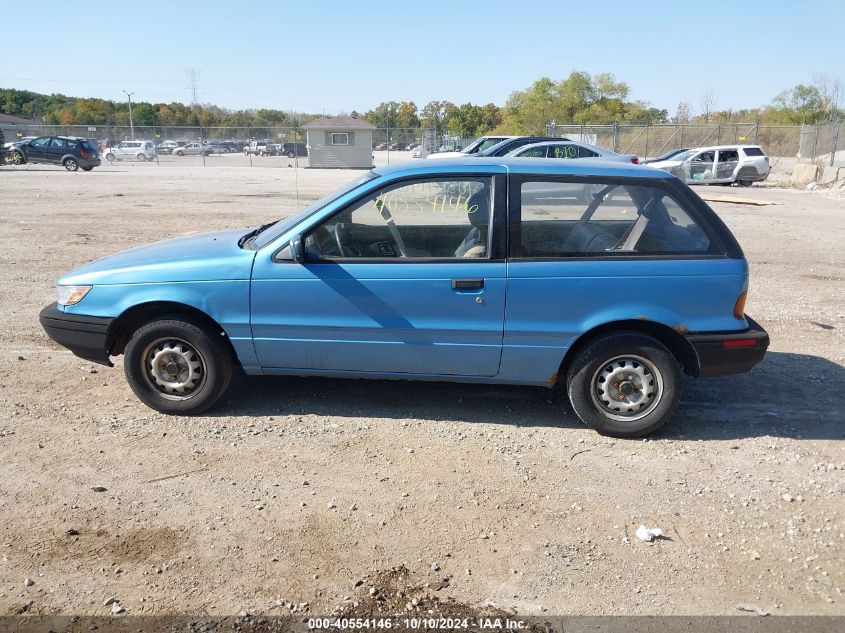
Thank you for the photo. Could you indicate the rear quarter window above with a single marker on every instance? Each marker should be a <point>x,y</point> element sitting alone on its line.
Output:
<point>753,151</point>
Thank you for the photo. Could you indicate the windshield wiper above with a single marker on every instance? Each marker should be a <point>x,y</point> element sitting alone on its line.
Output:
<point>252,234</point>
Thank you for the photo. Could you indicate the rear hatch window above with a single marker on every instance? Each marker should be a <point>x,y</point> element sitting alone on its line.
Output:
<point>89,146</point>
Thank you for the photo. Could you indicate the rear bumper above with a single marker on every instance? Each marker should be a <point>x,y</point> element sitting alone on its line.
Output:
<point>85,336</point>
<point>722,353</point>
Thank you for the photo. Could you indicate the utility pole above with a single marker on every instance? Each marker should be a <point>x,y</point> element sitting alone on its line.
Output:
<point>131,127</point>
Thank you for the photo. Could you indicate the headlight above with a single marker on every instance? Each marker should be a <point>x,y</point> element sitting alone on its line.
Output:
<point>69,295</point>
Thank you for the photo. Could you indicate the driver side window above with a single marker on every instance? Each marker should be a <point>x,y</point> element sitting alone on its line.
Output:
<point>423,219</point>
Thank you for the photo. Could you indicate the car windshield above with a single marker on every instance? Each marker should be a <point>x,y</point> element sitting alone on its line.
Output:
<point>279,228</point>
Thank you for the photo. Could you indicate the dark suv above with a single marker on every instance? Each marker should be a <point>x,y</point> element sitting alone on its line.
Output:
<point>68,151</point>
<point>294,149</point>
<point>509,144</point>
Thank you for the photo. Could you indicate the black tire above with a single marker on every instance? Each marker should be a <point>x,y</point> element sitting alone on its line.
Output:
<point>180,153</point>
<point>189,344</point>
<point>603,365</point>
<point>16,158</point>
<point>290,154</point>
<point>745,183</point>
<point>70,163</point>
<point>142,157</point>
<point>89,168</point>
<point>110,157</point>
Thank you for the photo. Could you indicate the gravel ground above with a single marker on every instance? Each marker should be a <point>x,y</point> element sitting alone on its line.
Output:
<point>291,491</point>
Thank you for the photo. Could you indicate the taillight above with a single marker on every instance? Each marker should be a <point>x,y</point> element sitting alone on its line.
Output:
<point>742,342</point>
<point>83,153</point>
<point>635,160</point>
<point>739,306</point>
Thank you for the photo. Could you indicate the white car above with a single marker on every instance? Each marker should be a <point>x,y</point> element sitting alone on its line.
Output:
<point>570,149</point>
<point>478,145</point>
<point>131,150</point>
<point>718,165</point>
<point>193,149</point>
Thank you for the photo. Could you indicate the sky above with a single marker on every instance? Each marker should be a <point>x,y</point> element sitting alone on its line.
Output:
<point>320,56</point>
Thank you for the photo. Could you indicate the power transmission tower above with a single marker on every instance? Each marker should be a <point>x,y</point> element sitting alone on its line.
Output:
<point>193,77</point>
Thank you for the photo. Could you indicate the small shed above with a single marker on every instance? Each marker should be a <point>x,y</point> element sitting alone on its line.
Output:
<point>340,142</point>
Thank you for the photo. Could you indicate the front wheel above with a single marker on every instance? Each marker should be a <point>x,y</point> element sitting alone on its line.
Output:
<point>290,154</point>
<point>177,367</point>
<point>109,157</point>
<point>16,158</point>
<point>142,157</point>
<point>71,164</point>
<point>625,385</point>
<point>180,153</point>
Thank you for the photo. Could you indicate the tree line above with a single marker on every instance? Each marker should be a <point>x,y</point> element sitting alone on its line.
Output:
<point>579,98</point>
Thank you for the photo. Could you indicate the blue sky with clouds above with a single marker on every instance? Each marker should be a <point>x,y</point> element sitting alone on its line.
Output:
<point>341,56</point>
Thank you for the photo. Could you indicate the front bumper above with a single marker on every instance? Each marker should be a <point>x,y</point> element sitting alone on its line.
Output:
<point>85,336</point>
<point>734,352</point>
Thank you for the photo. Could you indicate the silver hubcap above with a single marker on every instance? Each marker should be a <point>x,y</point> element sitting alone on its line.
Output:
<point>174,368</point>
<point>627,388</point>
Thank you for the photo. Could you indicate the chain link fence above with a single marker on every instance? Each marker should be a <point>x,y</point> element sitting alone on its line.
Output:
<point>811,142</point>
<point>824,143</point>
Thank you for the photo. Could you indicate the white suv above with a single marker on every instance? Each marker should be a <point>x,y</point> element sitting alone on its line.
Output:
<point>718,165</point>
<point>131,150</point>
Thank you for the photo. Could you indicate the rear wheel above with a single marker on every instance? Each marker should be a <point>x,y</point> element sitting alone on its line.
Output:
<point>70,164</point>
<point>180,153</point>
<point>290,154</point>
<point>745,183</point>
<point>177,367</point>
<point>109,156</point>
<point>142,158</point>
<point>89,168</point>
<point>625,385</point>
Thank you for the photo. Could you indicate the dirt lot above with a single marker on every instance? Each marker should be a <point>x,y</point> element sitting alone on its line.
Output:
<point>291,490</point>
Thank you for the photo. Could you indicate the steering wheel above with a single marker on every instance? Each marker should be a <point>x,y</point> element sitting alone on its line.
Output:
<point>336,233</point>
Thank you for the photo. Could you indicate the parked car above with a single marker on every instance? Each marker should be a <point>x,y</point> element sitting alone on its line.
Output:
<point>502,148</point>
<point>403,273</point>
<point>271,149</point>
<point>478,145</point>
<point>381,147</point>
<point>69,151</point>
<point>131,150</point>
<point>166,147</point>
<point>398,147</point>
<point>256,147</point>
<point>568,150</point>
<point>666,156</point>
<point>719,165</point>
<point>193,149</point>
<point>292,150</point>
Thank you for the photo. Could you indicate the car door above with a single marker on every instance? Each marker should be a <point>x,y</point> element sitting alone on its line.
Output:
<point>56,149</point>
<point>37,149</point>
<point>700,168</point>
<point>726,164</point>
<point>405,280</point>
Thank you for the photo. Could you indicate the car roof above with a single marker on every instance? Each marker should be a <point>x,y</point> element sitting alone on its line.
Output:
<point>548,166</point>
<point>734,146</point>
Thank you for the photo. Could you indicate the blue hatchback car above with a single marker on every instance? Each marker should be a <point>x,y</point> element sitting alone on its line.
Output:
<point>609,279</point>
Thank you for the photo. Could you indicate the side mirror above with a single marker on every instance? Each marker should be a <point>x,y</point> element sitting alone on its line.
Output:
<point>293,252</point>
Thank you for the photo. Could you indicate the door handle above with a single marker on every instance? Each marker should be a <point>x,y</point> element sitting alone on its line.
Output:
<point>467,284</point>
